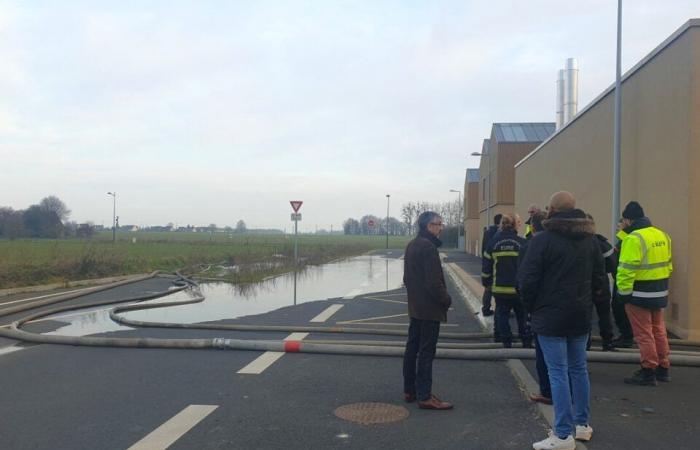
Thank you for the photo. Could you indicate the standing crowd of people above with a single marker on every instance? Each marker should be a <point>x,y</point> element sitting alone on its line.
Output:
<point>551,280</point>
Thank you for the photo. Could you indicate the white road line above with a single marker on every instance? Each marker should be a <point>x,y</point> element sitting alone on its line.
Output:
<point>372,318</point>
<point>352,294</point>
<point>55,294</point>
<point>327,313</point>
<point>10,349</point>
<point>172,430</point>
<point>262,362</point>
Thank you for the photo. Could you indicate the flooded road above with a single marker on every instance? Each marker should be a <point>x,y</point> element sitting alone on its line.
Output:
<point>346,278</point>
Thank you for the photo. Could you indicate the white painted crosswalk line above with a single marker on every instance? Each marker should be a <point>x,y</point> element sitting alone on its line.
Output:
<point>327,313</point>
<point>165,435</point>
<point>262,362</point>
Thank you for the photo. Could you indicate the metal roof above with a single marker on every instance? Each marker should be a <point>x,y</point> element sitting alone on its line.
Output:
<point>472,175</point>
<point>523,132</point>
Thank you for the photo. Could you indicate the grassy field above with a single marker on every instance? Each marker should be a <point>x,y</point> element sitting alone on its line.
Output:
<point>30,262</point>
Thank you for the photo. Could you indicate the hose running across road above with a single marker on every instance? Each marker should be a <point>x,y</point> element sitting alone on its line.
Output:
<point>463,351</point>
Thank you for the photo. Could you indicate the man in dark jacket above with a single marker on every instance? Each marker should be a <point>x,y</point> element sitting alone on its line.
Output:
<point>489,233</point>
<point>561,276</point>
<point>428,302</point>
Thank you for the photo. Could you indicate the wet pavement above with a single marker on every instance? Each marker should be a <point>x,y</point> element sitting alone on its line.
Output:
<point>64,397</point>
<point>624,416</point>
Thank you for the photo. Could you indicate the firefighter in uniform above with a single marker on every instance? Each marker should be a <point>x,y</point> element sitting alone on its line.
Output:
<point>500,274</point>
<point>642,284</point>
<point>531,211</point>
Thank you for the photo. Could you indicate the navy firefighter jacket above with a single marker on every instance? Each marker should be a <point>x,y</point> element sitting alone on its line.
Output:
<point>500,263</point>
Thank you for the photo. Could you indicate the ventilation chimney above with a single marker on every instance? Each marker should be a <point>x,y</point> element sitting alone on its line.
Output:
<point>570,89</point>
<point>560,99</point>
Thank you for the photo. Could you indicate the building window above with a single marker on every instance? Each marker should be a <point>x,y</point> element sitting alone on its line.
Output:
<point>483,190</point>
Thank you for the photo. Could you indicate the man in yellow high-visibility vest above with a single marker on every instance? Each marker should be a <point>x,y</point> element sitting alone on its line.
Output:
<point>643,274</point>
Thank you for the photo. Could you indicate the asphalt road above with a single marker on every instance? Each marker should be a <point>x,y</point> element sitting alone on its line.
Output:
<point>63,397</point>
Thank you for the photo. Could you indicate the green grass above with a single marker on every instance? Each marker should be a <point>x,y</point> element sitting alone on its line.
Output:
<point>39,261</point>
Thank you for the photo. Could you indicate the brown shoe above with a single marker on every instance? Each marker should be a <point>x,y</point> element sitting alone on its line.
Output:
<point>409,398</point>
<point>434,403</point>
<point>537,398</point>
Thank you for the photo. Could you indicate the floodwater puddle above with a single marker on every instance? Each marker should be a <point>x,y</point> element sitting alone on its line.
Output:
<point>345,278</point>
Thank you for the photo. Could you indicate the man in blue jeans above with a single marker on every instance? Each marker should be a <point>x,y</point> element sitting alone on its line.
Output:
<point>428,302</point>
<point>560,277</point>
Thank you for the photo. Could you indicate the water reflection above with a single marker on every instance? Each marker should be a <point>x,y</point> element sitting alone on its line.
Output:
<point>354,276</point>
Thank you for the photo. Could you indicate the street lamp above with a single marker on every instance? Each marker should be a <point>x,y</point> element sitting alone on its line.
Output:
<point>114,215</point>
<point>461,224</point>
<point>488,195</point>
<point>616,125</point>
<point>387,220</point>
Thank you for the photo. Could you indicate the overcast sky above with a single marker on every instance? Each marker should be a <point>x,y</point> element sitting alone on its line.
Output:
<point>199,112</point>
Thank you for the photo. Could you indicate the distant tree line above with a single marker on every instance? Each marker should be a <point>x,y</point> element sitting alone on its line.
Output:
<point>450,212</point>
<point>362,226</point>
<point>47,219</point>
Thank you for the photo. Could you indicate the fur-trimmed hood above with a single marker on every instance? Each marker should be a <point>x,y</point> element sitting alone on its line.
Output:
<point>572,224</point>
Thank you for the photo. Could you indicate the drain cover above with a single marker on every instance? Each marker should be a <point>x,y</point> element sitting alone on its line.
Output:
<point>371,413</point>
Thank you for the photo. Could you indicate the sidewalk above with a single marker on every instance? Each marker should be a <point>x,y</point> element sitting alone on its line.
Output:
<point>623,416</point>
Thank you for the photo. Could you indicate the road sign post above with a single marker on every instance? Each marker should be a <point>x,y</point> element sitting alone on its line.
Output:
<point>296,217</point>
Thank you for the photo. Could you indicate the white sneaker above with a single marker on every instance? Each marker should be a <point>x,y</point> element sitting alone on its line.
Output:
<point>584,433</point>
<point>554,443</point>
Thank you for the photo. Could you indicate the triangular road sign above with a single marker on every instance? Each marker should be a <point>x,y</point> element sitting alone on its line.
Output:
<point>296,204</point>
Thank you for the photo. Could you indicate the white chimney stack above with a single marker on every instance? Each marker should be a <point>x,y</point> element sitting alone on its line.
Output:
<point>571,91</point>
<point>567,93</point>
<point>560,99</point>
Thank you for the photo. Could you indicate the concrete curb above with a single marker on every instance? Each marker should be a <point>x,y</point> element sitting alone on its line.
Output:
<point>472,291</point>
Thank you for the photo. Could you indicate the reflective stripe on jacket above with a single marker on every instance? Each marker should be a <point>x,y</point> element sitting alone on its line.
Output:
<point>644,268</point>
<point>500,263</point>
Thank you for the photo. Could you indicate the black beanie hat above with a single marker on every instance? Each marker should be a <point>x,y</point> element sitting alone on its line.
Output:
<point>633,211</point>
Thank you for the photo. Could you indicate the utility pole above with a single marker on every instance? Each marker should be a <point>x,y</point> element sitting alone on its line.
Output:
<point>387,221</point>
<point>114,215</point>
<point>618,119</point>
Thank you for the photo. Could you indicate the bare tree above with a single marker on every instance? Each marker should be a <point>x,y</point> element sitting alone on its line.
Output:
<point>55,205</point>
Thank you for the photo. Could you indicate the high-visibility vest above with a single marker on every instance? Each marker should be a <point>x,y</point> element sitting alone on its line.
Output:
<point>645,266</point>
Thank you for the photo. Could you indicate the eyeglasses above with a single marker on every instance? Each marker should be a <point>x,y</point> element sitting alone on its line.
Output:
<point>440,224</point>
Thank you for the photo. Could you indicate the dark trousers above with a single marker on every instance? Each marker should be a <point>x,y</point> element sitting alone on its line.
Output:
<point>418,357</point>
<point>605,320</point>
<point>504,304</point>
<point>486,299</point>
<point>542,372</point>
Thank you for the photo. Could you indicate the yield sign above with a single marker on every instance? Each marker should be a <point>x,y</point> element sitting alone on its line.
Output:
<point>296,204</point>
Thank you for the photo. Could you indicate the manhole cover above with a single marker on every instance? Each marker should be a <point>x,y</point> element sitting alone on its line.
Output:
<point>371,413</point>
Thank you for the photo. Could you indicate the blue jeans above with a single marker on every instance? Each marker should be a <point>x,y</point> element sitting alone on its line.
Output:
<point>418,357</point>
<point>568,376</point>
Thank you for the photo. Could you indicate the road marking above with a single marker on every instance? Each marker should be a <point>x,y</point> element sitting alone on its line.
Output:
<point>327,313</point>
<point>400,324</point>
<point>371,318</point>
<point>352,294</point>
<point>10,349</point>
<point>55,294</point>
<point>262,362</point>
<point>172,430</point>
<point>382,300</point>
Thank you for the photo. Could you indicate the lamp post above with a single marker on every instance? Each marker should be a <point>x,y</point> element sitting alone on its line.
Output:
<point>616,133</point>
<point>461,223</point>
<point>488,195</point>
<point>387,220</point>
<point>114,215</point>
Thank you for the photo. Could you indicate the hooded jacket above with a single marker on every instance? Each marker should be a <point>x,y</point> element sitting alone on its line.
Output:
<point>425,282</point>
<point>562,274</point>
